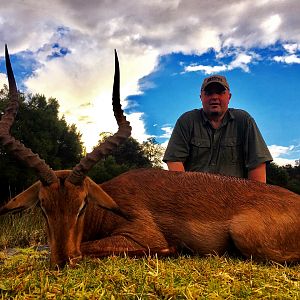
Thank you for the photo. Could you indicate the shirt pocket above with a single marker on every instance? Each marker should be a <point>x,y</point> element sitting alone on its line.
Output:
<point>200,148</point>
<point>231,150</point>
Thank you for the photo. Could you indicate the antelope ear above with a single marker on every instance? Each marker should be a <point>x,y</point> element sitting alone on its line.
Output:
<point>101,198</point>
<point>22,201</point>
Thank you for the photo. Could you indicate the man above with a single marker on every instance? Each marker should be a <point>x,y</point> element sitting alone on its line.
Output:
<point>218,139</point>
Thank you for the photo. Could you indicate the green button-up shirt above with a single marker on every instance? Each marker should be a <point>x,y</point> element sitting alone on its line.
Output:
<point>233,149</point>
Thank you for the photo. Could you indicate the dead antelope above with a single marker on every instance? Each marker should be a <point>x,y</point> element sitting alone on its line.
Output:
<point>152,211</point>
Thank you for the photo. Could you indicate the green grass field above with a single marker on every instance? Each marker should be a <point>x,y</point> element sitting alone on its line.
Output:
<point>25,273</point>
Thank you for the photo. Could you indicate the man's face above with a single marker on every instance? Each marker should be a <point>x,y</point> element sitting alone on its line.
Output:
<point>215,99</point>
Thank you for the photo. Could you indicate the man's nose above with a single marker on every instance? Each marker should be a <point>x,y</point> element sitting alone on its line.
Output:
<point>214,96</point>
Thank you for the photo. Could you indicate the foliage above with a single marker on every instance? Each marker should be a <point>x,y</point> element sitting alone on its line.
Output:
<point>107,169</point>
<point>284,176</point>
<point>153,151</point>
<point>129,155</point>
<point>39,127</point>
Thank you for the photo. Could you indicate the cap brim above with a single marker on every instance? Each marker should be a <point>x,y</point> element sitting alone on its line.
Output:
<point>216,82</point>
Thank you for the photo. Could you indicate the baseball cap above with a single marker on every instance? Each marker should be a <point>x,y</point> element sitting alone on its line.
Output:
<point>215,78</point>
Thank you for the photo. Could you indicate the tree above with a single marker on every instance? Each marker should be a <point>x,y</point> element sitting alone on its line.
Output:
<point>107,169</point>
<point>38,127</point>
<point>277,175</point>
<point>129,155</point>
<point>284,176</point>
<point>153,152</point>
<point>294,178</point>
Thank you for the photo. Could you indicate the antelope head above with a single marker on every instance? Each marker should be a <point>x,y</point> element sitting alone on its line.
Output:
<point>62,195</point>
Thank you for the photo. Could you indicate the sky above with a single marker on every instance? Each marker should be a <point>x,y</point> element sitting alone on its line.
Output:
<point>65,49</point>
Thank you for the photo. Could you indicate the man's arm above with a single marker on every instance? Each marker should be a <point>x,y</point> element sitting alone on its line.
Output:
<point>257,151</point>
<point>175,166</point>
<point>258,173</point>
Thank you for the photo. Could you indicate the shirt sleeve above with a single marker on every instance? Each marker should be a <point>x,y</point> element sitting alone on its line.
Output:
<point>256,150</point>
<point>178,147</point>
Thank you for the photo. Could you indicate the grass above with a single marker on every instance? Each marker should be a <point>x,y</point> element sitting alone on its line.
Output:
<point>22,229</point>
<point>26,273</point>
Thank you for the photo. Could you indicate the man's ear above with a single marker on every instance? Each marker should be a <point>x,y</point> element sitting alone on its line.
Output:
<point>25,200</point>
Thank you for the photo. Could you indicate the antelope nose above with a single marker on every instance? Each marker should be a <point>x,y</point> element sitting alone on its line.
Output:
<point>70,261</point>
<point>58,265</point>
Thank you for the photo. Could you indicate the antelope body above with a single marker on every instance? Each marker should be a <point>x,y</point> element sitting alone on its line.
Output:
<point>200,213</point>
<point>153,211</point>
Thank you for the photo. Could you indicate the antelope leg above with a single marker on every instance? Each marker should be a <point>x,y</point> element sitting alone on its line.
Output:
<point>120,245</point>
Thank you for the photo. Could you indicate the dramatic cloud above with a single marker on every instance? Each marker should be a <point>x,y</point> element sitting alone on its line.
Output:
<point>71,43</point>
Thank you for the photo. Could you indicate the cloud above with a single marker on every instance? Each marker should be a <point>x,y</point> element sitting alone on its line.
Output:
<point>281,154</point>
<point>291,48</point>
<point>76,80</point>
<point>159,23</point>
<point>167,26</point>
<point>138,126</point>
<point>276,150</point>
<point>271,24</point>
<point>79,69</point>
<point>206,69</point>
<point>167,132</point>
<point>288,59</point>
<point>241,60</point>
<point>291,56</point>
<point>3,80</point>
<point>284,161</point>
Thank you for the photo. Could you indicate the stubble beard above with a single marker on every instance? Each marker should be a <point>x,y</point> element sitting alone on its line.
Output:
<point>213,114</point>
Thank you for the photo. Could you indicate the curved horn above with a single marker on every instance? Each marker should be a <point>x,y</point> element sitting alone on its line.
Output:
<point>14,146</point>
<point>79,172</point>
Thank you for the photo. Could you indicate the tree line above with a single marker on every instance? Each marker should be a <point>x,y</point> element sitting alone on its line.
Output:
<point>285,176</point>
<point>40,128</point>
